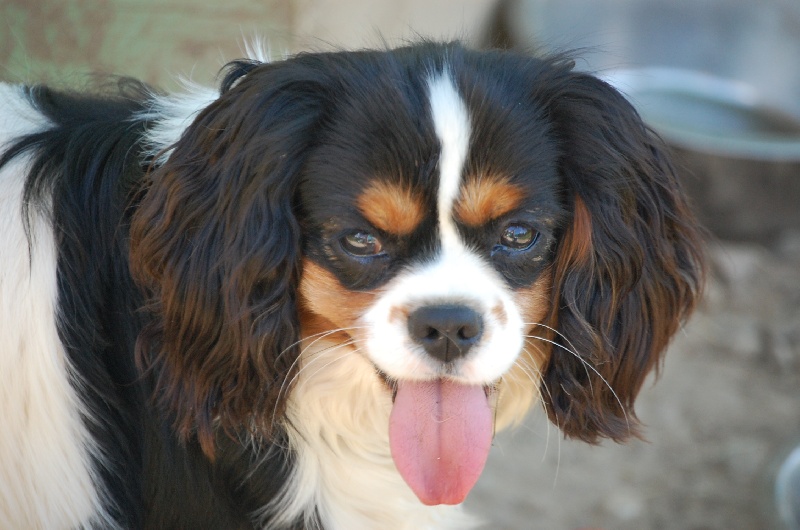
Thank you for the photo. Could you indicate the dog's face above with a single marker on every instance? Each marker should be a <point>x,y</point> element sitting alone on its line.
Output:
<point>433,259</point>
<point>484,228</point>
<point>425,242</point>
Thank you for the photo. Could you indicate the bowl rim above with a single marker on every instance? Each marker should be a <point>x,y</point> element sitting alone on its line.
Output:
<point>634,81</point>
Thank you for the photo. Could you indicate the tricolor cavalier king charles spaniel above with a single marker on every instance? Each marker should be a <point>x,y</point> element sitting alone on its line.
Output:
<point>309,298</point>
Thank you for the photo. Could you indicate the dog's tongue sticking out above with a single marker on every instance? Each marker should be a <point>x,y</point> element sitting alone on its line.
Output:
<point>440,433</point>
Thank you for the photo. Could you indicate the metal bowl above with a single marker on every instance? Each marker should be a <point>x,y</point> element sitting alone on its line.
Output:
<point>739,155</point>
<point>703,112</point>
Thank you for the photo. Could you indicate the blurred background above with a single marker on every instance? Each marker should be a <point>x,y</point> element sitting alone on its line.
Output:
<point>718,79</point>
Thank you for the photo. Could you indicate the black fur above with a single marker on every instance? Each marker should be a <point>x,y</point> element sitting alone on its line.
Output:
<point>91,163</point>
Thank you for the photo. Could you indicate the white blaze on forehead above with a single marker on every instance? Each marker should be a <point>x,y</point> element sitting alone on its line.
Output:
<point>452,126</point>
<point>457,275</point>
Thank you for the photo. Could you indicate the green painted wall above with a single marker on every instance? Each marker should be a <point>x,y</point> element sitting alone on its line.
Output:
<point>63,40</point>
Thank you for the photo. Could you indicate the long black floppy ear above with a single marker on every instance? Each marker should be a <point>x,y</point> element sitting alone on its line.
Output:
<point>629,268</point>
<point>216,246</point>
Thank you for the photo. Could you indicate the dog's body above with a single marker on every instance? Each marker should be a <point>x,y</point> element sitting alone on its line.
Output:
<point>309,298</point>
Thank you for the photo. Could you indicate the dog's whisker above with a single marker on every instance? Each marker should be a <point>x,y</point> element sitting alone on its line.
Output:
<point>317,337</point>
<point>584,363</point>
<point>543,385</point>
<point>574,350</point>
<point>534,374</point>
<point>304,357</point>
<point>554,330</point>
<point>588,366</point>
<point>309,359</point>
<point>319,369</point>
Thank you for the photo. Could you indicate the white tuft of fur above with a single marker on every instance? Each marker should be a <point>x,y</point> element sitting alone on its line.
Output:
<point>258,49</point>
<point>46,475</point>
<point>172,114</point>
<point>339,415</point>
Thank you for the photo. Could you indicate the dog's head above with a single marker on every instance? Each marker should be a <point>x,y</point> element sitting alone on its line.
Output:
<point>485,228</point>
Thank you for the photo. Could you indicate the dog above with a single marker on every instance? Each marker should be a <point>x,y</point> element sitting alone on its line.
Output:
<point>308,298</point>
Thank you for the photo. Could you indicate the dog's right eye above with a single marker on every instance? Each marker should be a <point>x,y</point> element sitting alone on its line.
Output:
<point>518,237</point>
<point>361,244</point>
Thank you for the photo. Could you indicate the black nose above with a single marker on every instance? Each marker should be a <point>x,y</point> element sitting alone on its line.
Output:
<point>447,332</point>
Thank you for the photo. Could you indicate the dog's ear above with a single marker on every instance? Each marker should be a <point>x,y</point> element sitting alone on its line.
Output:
<point>628,269</point>
<point>216,246</point>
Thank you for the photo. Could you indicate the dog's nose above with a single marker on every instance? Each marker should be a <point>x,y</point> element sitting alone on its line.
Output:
<point>446,332</point>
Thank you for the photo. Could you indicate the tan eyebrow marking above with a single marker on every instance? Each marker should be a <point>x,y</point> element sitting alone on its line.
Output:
<point>484,199</point>
<point>391,207</point>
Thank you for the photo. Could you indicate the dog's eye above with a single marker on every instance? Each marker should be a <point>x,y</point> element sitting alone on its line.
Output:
<point>361,244</point>
<point>518,237</point>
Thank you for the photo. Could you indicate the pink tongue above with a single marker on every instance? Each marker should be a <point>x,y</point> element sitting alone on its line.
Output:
<point>440,433</point>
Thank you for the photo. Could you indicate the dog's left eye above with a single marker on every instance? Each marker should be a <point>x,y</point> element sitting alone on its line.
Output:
<point>361,244</point>
<point>518,237</point>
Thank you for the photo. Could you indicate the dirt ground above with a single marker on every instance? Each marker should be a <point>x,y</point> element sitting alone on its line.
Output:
<point>722,413</point>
